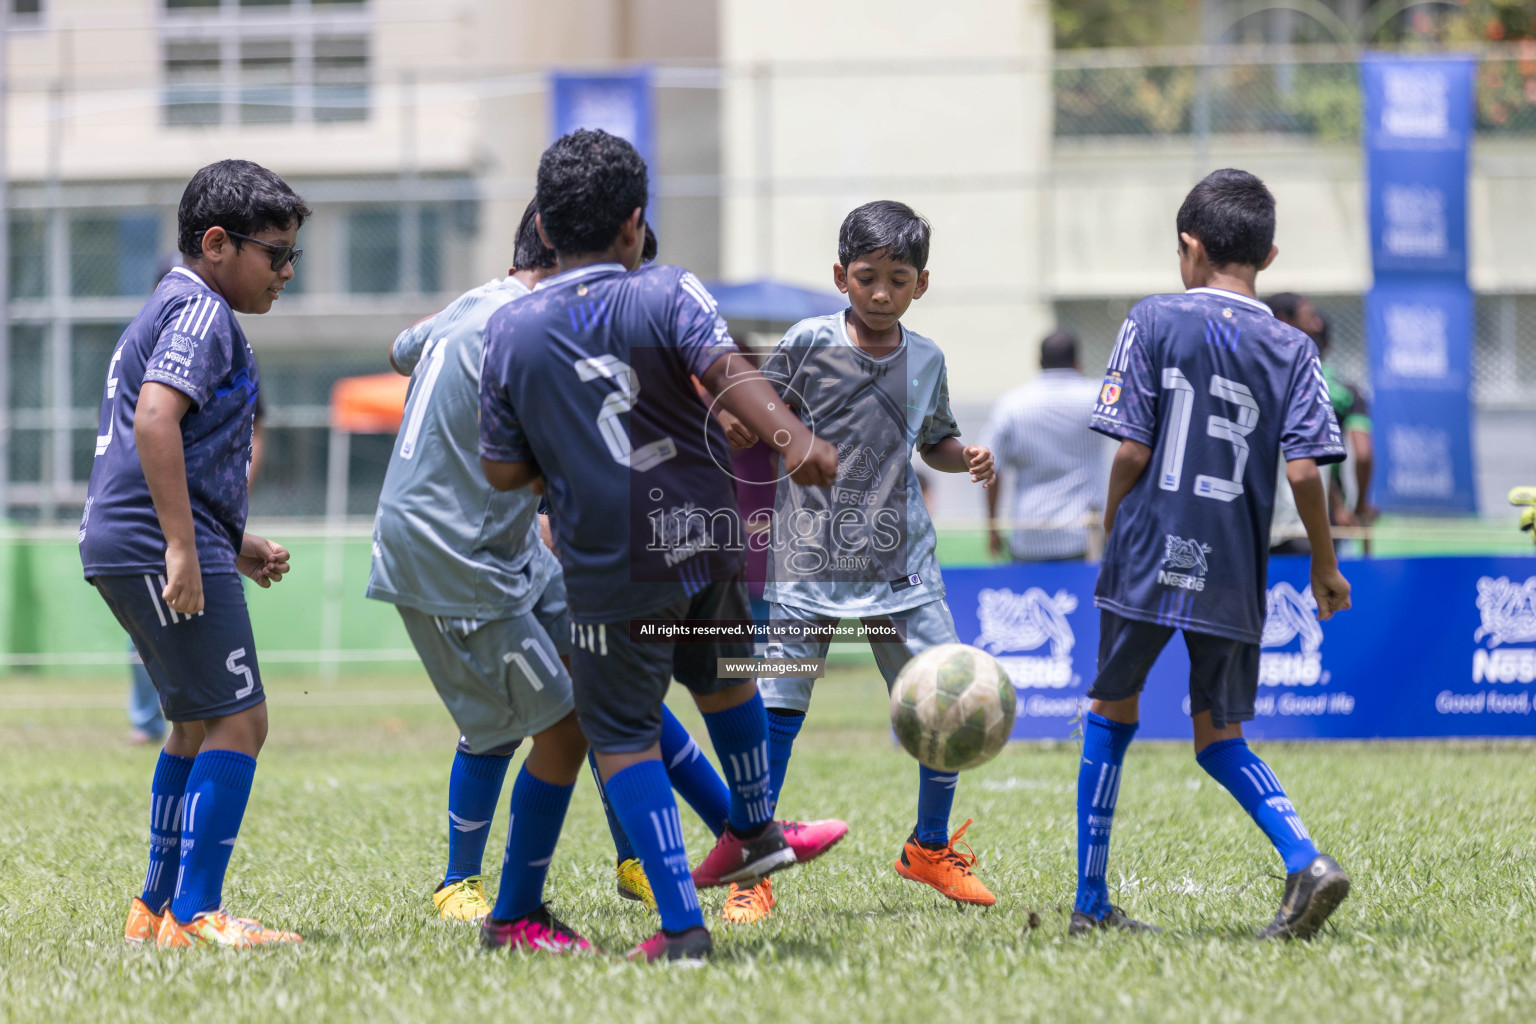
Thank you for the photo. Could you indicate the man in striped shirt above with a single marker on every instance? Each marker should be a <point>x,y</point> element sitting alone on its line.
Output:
<point>1053,467</point>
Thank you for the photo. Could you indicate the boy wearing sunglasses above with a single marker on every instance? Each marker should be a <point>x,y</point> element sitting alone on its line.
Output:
<point>163,537</point>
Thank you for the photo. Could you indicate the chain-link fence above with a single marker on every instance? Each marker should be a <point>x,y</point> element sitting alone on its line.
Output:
<point>1263,90</point>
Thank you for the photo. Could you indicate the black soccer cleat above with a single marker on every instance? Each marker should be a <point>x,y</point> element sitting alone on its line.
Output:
<point>690,948</point>
<point>1115,920</point>
<point>1311,894</point>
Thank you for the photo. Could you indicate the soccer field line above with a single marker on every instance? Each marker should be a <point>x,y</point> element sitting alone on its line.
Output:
<point>284,698</point>
<point>302,657</point>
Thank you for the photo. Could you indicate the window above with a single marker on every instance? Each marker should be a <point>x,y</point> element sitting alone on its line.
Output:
<point>373,250</point>
<point>192,89</point>
<point>29,256</point>
<point>270,61</point>
<point>266,81</point>
<point>341,78</point>
<point>113,254</point>
<point>27,10</point>
<point>376,250</point>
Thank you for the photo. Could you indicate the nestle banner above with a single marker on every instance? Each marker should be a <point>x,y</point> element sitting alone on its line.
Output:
<point>619,103</point>
<point>1418,131</point>
<point>1433,647</point>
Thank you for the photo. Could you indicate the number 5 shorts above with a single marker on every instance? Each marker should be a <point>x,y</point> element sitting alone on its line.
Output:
<point>203,665</point>
<point>501,679</point>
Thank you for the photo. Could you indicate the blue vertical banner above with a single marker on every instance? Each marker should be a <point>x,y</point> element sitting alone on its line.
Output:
<point>1418,122</point>
<point>620,103</point>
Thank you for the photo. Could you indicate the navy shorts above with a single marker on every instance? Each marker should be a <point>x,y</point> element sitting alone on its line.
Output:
<point>204,665</point>
<point>1223,673</point>
<point>620,683</point>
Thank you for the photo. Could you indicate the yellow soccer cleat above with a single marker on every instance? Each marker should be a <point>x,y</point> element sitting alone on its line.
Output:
<point>1526,497</point>
<point>219,928</point>
<point>633,885</point>
<point>463,900</point>
<point>143,924</point>
<point>749,906</point>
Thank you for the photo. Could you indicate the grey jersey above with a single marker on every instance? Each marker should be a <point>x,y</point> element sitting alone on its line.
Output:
<point>865,545</point>
<point>445,542</point>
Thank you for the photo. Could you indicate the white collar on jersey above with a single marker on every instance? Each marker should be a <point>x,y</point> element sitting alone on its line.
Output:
<point>1223,293</point>
<point>579,273</point>
<point>192,274</point>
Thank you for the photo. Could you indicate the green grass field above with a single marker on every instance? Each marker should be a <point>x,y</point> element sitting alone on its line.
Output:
<point>344,841</point>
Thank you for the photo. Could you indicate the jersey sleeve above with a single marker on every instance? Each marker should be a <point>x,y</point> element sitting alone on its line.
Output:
<point>699,333</point>
<point>408,346</point>
<point>784,363</point>
<point>195,348</point>
<point>1127,405</point>
<point>938,418</point>
<point>1311,430</point>
<point>501,431</point>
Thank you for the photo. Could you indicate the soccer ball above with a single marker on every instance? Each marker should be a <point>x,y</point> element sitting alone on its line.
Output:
<point>952,707</point>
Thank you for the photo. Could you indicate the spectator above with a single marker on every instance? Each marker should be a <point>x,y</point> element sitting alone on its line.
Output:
<point>1054,468</point>
<point>1349,406</point>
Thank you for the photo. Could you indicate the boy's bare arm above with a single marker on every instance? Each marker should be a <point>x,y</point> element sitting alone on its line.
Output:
<point>950,456</point>
<point>511,476</point>
<point>1328,585</point>
<point>747,395</point>
<point>1131,460</point>
<point>157,436</point>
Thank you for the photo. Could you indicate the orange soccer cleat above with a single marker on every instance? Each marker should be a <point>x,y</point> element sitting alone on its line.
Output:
<point>218,928</point>
<point>749,905</point>
<point>143,923</point>
<point>946,869</point>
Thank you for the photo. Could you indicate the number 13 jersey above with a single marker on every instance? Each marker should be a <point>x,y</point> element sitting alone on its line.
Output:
<point>1220,390</point>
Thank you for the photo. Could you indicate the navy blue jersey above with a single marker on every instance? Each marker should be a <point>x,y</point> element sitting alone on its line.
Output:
<point>186,338</point>
<point>589,378</point>
<point>1220,391</point>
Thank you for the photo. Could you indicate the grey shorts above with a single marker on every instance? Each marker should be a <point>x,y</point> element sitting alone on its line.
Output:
<point>621,683</point>
<point>928,625</point>
<point>1223,673</point>
<point>500,679</point>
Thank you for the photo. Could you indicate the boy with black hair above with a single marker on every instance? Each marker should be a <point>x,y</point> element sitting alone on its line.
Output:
<point>483,600</point>
<point>586,392</point>
<point>163,537</point>
<point>1210,390</point>
<point>865,548</point>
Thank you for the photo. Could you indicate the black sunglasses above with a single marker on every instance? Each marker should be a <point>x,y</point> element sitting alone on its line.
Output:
<point>280,253</point>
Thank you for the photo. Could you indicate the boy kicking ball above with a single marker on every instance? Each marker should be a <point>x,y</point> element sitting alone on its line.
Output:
<point>163,537</point>
<point>865,547</point>
<point>1209,390</point>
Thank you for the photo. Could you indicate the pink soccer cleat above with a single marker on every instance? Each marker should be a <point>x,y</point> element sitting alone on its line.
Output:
<point>685,949</point>
<point>811,839</point>
<point>539,931</point>
<point>744,861</point>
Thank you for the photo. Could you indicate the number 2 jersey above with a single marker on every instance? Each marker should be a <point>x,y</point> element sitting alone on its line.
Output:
<point>590,378</point>
<point>186,338</point>
<point>1220,390</point>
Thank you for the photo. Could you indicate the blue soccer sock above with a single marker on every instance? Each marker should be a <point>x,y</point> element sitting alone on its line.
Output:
<point>694,778</point>
<point>621,845</point>
<point>740,736</point>
<point>642,799</point>
<point>218,787</point>
<point>166,792</point>
<point>474,788</point>
<point>1250,781</point>
<point>1098,787</point>
<point>783,726</point>
<point>935,796</point>
<point>537,813</point>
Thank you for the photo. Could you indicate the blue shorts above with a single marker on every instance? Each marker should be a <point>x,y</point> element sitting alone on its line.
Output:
<point>620,683</point>
<point>928,625</point>
<point>204,665</point>
<point>1223,673</point>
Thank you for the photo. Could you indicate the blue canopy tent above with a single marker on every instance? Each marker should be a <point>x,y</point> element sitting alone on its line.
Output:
<point>772,302</point>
